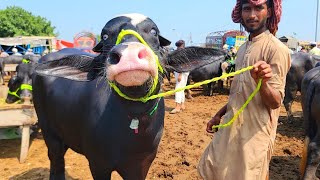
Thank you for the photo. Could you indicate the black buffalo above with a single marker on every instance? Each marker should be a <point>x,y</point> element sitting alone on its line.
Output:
<point>301,63</point>
<point>77,108</point>
<point>17,59</point>
<point>210,71</point>
<point>206,72</point>
<point>310,93</point>
<point>20,85</point>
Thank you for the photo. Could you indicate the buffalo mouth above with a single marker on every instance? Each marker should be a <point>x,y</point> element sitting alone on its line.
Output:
<point>132,78</point>
<point>136,91</point>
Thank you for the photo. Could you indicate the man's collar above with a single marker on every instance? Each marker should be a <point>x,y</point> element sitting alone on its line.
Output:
<point>260,36</point>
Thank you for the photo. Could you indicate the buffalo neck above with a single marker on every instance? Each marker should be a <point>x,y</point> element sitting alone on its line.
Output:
<point>137,108</point>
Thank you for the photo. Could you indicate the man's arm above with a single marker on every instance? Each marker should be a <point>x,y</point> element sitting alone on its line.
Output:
<point>216,119</point>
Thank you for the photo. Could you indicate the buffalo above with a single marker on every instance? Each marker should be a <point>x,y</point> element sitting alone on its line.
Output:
<point>208,71</point>
<point>301,63</point>
<point>20,86</point>
<point>18,59</point>
<point>310,95</point>
<point>15,59</point>
<point>99,106</point>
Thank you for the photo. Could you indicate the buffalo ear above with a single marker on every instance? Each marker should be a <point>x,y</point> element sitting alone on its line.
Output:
<point>98,47</point>
<point>73,67</point>
<point>164,41</point>
<point>190,58</point>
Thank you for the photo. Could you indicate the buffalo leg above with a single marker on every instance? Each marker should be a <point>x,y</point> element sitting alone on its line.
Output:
<point>99,171</point>
<point>290,95</point>
<point>136,170</point>
<point>167,74</point>
<point>211,87</point>
<point>313,159</point>
<point>289,112</point>
<point>56,152</point>
<point>208,89</point>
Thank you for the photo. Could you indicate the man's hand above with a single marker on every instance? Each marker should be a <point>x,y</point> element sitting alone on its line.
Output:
<point>261,70</point>
<point>269,95</point>
<point>214,121</point>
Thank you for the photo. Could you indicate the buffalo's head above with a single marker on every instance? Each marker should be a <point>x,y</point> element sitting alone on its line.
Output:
<point>14,90</point>
<point>20,87</point>
<point>135,58</point>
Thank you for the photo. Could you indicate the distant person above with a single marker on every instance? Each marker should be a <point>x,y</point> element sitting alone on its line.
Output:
<point>314,49</point>
<point>181,81</point>
<point>225,48</point>
<point>45,52</point>
<point>233,52</point>
<point>29,52</point>
<point>3,53</point>
<point>15,52</point>
<point>303,49</point>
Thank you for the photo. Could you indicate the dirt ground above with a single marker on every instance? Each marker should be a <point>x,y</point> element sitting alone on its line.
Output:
<point>183,141</point>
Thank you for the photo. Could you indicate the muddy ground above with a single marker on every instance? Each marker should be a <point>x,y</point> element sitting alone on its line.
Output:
<point>183,141</point>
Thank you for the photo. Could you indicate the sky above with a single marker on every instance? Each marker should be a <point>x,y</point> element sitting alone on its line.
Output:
<point>176,19</point>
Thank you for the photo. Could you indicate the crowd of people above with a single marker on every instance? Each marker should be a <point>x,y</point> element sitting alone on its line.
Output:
<point>15,52</point>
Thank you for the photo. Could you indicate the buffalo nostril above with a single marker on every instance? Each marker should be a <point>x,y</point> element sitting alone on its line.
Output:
<point>114,58</point>
<point>142,54</point>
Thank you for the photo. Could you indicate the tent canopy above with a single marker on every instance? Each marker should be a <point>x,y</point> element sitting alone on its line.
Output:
<point>34,41</point>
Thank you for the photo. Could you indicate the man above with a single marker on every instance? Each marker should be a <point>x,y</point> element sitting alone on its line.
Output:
<point>3,53</point>
<point>243,150</point>
<point>29,52</point>
<point>314,49</point>
<point>181,81</point>
<point>15,52</point>
<point>303,49</point>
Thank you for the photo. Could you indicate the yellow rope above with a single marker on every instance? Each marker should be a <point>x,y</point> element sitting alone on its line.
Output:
<point>155,80</point>
<point>198,84</point>
<point>241,109</point>
<point>212,80</point>
<point>148,97</point>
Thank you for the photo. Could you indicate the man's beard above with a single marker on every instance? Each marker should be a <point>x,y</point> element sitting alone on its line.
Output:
<point>256,29</point>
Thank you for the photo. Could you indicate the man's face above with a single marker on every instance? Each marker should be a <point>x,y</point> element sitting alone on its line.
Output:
<point>255,17</point>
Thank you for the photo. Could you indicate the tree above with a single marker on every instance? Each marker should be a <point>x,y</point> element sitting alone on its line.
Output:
<point>15,21</point>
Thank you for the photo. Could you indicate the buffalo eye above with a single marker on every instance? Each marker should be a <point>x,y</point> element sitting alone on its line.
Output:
<point>154,32</point>
<point>105,37</point>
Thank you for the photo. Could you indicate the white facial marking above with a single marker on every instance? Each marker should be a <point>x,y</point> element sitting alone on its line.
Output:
<point>135,18</point>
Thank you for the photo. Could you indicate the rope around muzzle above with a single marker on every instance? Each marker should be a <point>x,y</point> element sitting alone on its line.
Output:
<point>155,79</point>
<point>22,87</point>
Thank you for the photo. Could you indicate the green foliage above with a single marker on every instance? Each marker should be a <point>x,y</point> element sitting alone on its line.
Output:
<point>98,38</point>
<point>15,21</point>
